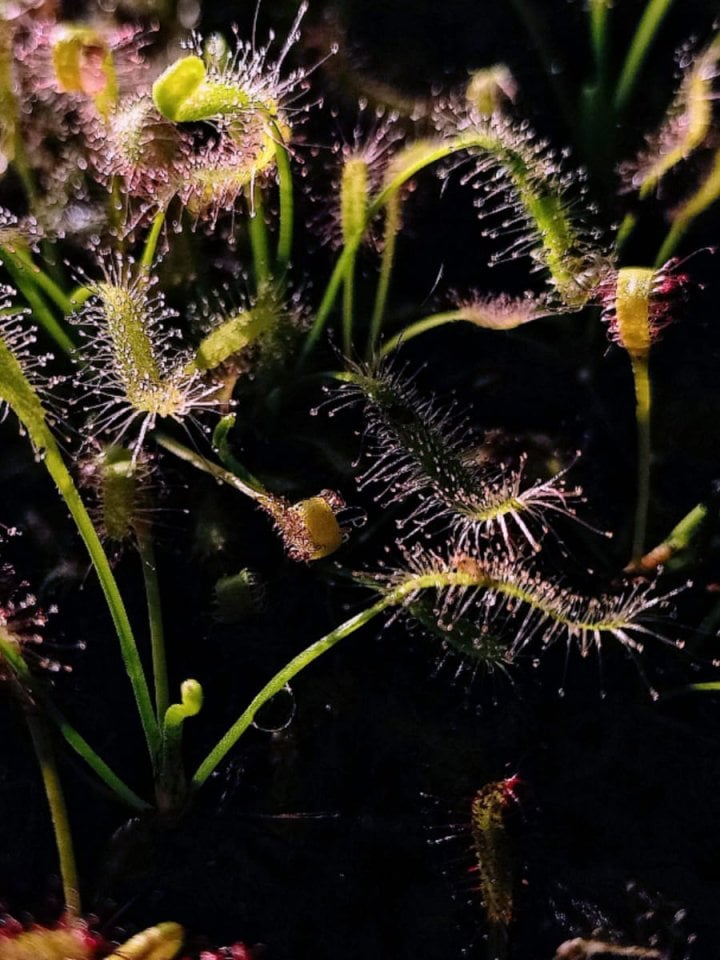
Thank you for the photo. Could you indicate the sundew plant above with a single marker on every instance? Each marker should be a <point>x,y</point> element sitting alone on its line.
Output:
<point>296,355</point>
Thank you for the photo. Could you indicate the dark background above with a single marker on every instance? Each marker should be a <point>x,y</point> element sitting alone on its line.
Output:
<point>616,822</point>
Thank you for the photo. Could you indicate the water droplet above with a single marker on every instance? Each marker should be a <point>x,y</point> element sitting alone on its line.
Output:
<point>278,713</point>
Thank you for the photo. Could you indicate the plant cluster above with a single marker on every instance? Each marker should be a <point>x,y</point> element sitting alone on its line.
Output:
<point>159,319</point>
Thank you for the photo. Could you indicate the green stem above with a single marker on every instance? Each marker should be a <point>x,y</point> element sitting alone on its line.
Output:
<point>279,681</point>
<point>392,227</point>
<point>24,262</point>
<point>146,549</point>
<point>705,195</point>
<point>52,268</point>
<point>649,25</point>
<point>10,653</point>
<point>171,783</point>
<point>331,291</point>
<point>285,188</point>
<point>682,538</point>
<point>596,125</point>
<point>713,686</point>
<point>21,397</point>
<point>625,231</point>
<point>93,760</point>
<point>115,204</point>
<point>41,311</point>
<point>133,665</point>
<point>405,592</point>
<point>349,251</point>
<point>58,811</point>
<point>710,625</point>
<point>221,446</point>
<point>207,466</point>
<point>641,377</point>
<point>599,10</point>
<point>421,326</point>
<point>673,238</point>
<point>151,241</point>
<point>348,308</point>
<point>258,233</point>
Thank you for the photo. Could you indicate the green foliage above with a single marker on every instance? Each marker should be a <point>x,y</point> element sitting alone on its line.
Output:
<point>211,146</point>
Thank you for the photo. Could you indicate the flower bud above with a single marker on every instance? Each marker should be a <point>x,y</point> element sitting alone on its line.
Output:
<point>632,309</point>
<point>321,525</point>
<point>161,942</point>
<point>638,303</point>
<point>310,528</point>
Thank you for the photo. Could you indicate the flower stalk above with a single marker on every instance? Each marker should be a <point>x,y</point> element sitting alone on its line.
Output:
<point>650,22</point>
<point>392,228</point>
<point>45,754</point>
<point>633,325</point>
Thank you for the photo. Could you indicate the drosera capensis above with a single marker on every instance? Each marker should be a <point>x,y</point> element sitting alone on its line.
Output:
<point>185,166</point>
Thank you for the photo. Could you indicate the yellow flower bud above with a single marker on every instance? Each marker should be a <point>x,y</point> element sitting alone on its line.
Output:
<point>161,942</point>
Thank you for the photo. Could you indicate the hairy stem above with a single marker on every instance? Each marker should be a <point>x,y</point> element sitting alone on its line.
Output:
<point>402,593</point>
<point>114,207</point>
